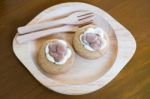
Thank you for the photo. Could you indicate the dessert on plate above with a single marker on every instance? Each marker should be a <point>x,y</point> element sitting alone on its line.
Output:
<point>91,42</point>
<point>56,56</point>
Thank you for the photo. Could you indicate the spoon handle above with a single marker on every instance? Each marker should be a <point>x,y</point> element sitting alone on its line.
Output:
<point>39,26</point>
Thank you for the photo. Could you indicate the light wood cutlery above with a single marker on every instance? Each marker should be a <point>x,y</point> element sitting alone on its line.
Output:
<point>70,24</point>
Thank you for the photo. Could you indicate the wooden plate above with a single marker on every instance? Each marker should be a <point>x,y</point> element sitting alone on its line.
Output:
<point>86,75</point>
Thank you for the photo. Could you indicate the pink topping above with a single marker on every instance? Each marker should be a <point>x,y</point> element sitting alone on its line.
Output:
<point>61,49</point>
<point>92,39</point>
<point>96,45</point>
<point>57,51</point>
<point>52,47</point>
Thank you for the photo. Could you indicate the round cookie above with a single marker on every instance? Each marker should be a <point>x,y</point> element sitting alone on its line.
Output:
<point>52,67</point>
<point>82,50</point>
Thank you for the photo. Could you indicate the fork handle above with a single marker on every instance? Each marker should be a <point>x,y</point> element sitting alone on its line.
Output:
<point>44,33</point>
<point>39,26</point>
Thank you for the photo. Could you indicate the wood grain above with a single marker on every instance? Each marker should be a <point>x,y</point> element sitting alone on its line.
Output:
<point>133,81</point>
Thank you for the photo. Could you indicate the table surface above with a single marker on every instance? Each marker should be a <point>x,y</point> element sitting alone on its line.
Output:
<point>133,82</point>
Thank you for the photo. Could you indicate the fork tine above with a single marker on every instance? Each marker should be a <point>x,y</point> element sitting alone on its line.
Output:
<point>86,21</point>
<point>84,14</point>
<point>90,15</point>
<point>86,17</point>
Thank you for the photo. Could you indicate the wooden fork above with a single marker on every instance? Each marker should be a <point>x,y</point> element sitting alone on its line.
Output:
<point>76,18</point>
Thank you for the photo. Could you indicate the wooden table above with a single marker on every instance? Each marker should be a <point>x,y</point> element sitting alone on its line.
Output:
<point>133,82</point>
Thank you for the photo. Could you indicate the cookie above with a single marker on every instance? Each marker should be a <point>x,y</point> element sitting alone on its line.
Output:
<point>90,42</point>
<point>56,56</point>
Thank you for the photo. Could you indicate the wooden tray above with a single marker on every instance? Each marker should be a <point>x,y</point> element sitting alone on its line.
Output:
<point>86,76</point>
